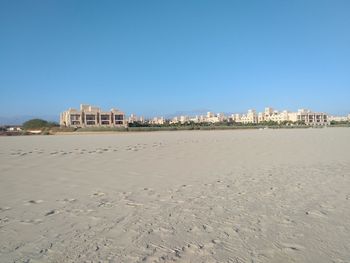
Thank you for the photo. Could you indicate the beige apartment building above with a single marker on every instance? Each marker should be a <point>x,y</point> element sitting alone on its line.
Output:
<point>273,115</point>
<point>250,117</point>
<point>339,118</point>
<point>309,117</point>
<point>302,115</point>
<point>236,117</point>
<point>89,116</point>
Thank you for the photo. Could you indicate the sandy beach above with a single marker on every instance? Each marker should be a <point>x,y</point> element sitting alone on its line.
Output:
<point>191,196</point>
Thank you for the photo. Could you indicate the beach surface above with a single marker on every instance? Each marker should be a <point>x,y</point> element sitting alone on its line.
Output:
<point>191,196</point>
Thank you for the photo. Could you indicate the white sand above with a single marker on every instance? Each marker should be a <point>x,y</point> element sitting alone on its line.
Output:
<point>203,196</point>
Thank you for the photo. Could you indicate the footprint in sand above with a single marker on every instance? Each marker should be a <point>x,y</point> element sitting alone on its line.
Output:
<point>4,221</point>
<point>216,241</point>
<point>67,200</point>
<point>149,191</point>
<point>5,208</point>
<point>98,193</point>
<point>35,202</point>
<point>105,149</point>
<point>207,228</point>
<point>291,247</point>
<point>51,212</point>
<point>104,203</point>
<point>31,221</point>
<point>316,213</point>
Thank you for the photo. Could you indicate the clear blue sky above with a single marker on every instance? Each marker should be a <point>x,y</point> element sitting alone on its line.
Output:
<point>159,57</point>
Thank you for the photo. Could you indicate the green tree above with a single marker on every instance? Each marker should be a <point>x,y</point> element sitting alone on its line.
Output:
<point>38,124</point>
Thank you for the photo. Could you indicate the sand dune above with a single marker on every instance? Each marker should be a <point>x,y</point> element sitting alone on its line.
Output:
<point>201,196</point>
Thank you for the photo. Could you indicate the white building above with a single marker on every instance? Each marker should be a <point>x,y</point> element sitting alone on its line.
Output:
<point>132,118</point>
<point>158,120</point>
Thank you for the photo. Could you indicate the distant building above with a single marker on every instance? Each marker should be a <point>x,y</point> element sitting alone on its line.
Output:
<point>210,114</point>
<point>303,116</point>
<point>236,117</point>
<point>14,129</point>
<point>278,117</point>
<point>221,117</point>
<point>339,118</point>
<point>309,118</point>
<point>157,121</point>
<point>270,114</point>
<point>250,117</point>
<point>175,120</point>
<point>132,118</point>
<point>89,116</point>
<point>213,119</point>
<point>195,119</point>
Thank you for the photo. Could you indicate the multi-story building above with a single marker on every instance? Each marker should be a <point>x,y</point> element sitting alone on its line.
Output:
<point>195,119</point>
<point>270,114</point>
<point>261,117</point>
<point>221,117</point>
<point>339,118</point>
<point>308,117</point>
<point>132,118</point>
<point>157,121</point>
<point>142,119</point>
<point>279,117</point>
<point>251,117</point>
<point>210,114</point>
<point>89,116</point>
<point>302,116</point>
<point>212,119</point>
<point>236,117</point>
<point>187,119</point>
<point>175,120</point>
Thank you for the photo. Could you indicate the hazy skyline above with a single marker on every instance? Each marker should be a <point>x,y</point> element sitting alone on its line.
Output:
<point>162,57</point>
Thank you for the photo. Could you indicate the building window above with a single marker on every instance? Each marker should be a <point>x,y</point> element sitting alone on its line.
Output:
<point>105,117</point>
<point>90,117</point>
<point>75,117</point>
<point>119,117</point>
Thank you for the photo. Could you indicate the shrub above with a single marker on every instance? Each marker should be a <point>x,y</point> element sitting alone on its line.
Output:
<point>38,124</point>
